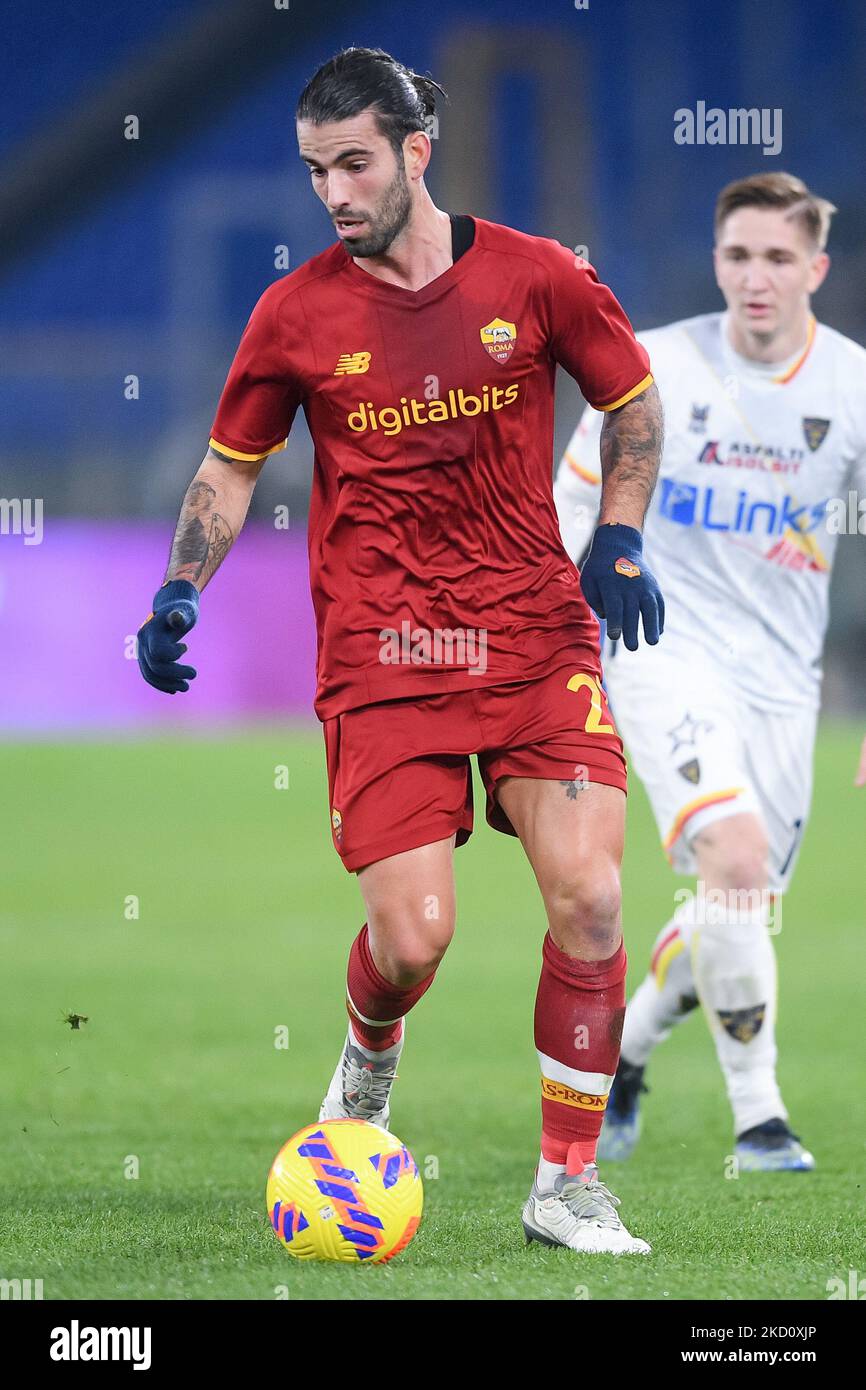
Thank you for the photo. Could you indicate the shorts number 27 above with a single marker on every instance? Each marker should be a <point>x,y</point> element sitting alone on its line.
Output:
<point>593,725</point>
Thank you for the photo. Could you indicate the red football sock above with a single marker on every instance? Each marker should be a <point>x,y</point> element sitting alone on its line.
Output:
<point>579,1012</point>
<point>376,1007</point>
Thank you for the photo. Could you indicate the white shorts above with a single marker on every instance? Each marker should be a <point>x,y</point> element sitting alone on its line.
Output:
<point>703,752</point>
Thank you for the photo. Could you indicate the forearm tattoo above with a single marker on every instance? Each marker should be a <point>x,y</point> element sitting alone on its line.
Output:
<point>631,447</point>
<point>202,539</point>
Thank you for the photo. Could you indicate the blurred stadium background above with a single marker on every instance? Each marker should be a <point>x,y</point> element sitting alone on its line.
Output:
<point>158,886</point>
<point>129,267</point>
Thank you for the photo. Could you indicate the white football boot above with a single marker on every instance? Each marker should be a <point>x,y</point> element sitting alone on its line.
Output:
<point>580,1213</point>
<point>361,1086</point>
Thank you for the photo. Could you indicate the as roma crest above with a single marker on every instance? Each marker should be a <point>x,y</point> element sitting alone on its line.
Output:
<point>499,338</point>
<point>815,431</point>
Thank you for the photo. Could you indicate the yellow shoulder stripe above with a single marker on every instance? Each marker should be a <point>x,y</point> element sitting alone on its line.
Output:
<point>629,395</point>
<point>245,458</point>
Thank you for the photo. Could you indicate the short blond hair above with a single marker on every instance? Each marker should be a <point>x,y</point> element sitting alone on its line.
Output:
<point>777,190</point>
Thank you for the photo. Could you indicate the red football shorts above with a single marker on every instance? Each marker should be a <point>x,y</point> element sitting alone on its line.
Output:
<point>399,774</point>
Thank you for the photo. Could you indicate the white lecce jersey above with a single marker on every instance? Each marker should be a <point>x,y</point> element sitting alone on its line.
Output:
<point>738,533</point>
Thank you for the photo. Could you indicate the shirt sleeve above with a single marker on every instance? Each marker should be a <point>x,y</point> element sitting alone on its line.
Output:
<point>591,336</point>
<point>261,395</point>
<point>577,485</point>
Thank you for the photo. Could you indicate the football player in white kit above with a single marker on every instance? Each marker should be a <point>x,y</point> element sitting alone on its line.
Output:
<point>765,414</point>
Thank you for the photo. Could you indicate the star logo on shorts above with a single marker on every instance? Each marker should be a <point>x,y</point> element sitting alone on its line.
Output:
<point>685,734</point>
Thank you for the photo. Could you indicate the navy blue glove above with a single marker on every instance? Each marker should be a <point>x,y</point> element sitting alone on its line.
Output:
<point>618,586</point>
<point>175,611</point>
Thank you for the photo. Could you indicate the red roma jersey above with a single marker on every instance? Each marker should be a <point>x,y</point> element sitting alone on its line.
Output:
<point>436,562</point>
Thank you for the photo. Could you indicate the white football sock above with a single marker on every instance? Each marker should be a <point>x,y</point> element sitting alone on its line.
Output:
<point>547,1173</point>
<point>667,994</point>
<point>734,967</point>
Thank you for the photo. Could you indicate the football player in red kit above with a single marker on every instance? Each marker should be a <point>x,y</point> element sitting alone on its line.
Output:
<point>422,347</point>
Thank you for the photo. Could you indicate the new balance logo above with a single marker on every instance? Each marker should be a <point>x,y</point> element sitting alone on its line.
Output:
<point>352,363</point>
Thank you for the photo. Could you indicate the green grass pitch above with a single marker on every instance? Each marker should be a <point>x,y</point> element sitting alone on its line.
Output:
<point>244,919</point>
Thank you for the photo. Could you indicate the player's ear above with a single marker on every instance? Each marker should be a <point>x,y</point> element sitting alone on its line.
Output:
<point>416,153</point>
<point>818,271</point>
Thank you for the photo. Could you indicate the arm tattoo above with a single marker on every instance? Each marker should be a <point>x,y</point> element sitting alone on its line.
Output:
<point>202,539</point>
<point>631,446</point>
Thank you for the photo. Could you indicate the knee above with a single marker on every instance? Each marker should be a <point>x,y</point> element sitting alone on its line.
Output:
<point>746,868</point>
<point>584,910</point>
<point>408,947</point>
<point>734,859</point>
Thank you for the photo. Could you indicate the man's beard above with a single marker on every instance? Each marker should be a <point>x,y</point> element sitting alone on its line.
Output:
<point>391,218</point>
